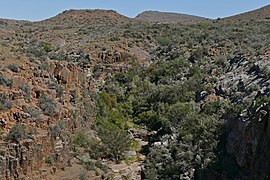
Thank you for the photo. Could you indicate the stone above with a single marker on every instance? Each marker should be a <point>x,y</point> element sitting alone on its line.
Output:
<point>64,75</point>
<point>18,81</point>
<point>135,167</point>
<point>85,158</point>
<point>130,153</point>
<point>119,167</point>
<point>157,144</point>
<point>58,146</point>
<point>143,143</point>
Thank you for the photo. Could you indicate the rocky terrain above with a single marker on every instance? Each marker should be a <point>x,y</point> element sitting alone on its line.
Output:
<point>92,94</point>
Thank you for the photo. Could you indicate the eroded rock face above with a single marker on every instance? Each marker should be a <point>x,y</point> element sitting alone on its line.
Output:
<point>66,73</point>
<point>110,57</point>
<point>249,142</point>
<point>29,156</point>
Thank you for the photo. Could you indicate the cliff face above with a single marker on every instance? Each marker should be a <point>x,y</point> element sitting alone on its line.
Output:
<point>248,141</point>
<point>28,158</point>
<point>51,96</point>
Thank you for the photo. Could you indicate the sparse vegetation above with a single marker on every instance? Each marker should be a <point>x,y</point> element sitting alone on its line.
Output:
<point>5,102</point>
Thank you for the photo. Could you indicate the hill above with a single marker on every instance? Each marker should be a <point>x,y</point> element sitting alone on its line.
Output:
<point>92,94</point>
<point>96,17</point>
<point>258,14</point>
<point>167,17</point>
<point>13,22</point>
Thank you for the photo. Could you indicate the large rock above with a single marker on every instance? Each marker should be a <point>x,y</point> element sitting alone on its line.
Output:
<point>18,81</point>
<point>65,75</point>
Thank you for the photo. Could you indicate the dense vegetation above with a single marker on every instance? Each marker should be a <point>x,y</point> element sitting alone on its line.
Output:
<point>167,97</point>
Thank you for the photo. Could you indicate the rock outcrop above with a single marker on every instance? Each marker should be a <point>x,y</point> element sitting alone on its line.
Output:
<point>249,142</point>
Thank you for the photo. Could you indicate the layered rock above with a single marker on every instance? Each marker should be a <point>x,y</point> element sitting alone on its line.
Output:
<point>29,156</point>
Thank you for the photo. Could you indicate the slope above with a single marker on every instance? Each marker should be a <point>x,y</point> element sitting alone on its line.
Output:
<point>258,14</point>
<point>166,17</point>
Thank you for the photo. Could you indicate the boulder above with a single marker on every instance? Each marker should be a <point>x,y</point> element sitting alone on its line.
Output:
<point>64,75</point>
<point>18,81</point>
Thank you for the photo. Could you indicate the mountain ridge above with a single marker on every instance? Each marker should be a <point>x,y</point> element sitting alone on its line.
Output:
<point>168,17</point>
<point>262,13</point>
<point>153,16</point>
<point>80,17</point>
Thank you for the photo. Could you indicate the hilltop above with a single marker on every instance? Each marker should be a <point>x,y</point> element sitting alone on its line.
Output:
<point>13,22</point>
<point>75,18</point>
<point>167,17</point>
<point>258,14</point>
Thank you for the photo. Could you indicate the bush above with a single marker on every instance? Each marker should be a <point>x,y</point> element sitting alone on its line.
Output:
<point>102,166</point>
<point>58,88</point>
<point>34,113</point>
<point>54,131</point>
<point>89,165</point>
<point>5,103</point>
<point>114,141</point>
<point>74,96</point>
<point>5,81</point>
<point>47,105</point>
<point>47,46</point>
<point>16,133</point>
<point>49,160</point>
<point>13,67</point>
<point>27,91</point>
<point>82,177</point>
<point>81,140</point>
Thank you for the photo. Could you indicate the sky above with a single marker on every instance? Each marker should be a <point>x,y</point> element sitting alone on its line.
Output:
<point>35,10</point>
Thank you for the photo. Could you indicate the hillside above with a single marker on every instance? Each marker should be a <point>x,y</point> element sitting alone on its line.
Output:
<point>13,22</point>
<point>166,17</point>
<point>258,14</point>
<point>74,18</point>
<point>92,94</point>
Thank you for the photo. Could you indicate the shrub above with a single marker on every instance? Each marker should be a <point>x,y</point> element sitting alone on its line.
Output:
<point>54,131</point>
<point>34,113</point>
<point>47,46</point>
<point>164,41</point>
<point>49,160</point>
<point>58,88</point>
<point>27,90</point>
<point>16,133</point>
<point>114,141</point>
<point>81,140</point>
<point>102,166</point>
<point>5,81</point>
<point>5,103</point>
<point>82,177</point>
<point>47,105</point>
<point>13,67</point>
<point>89,165</point>
<point>74,96</point>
